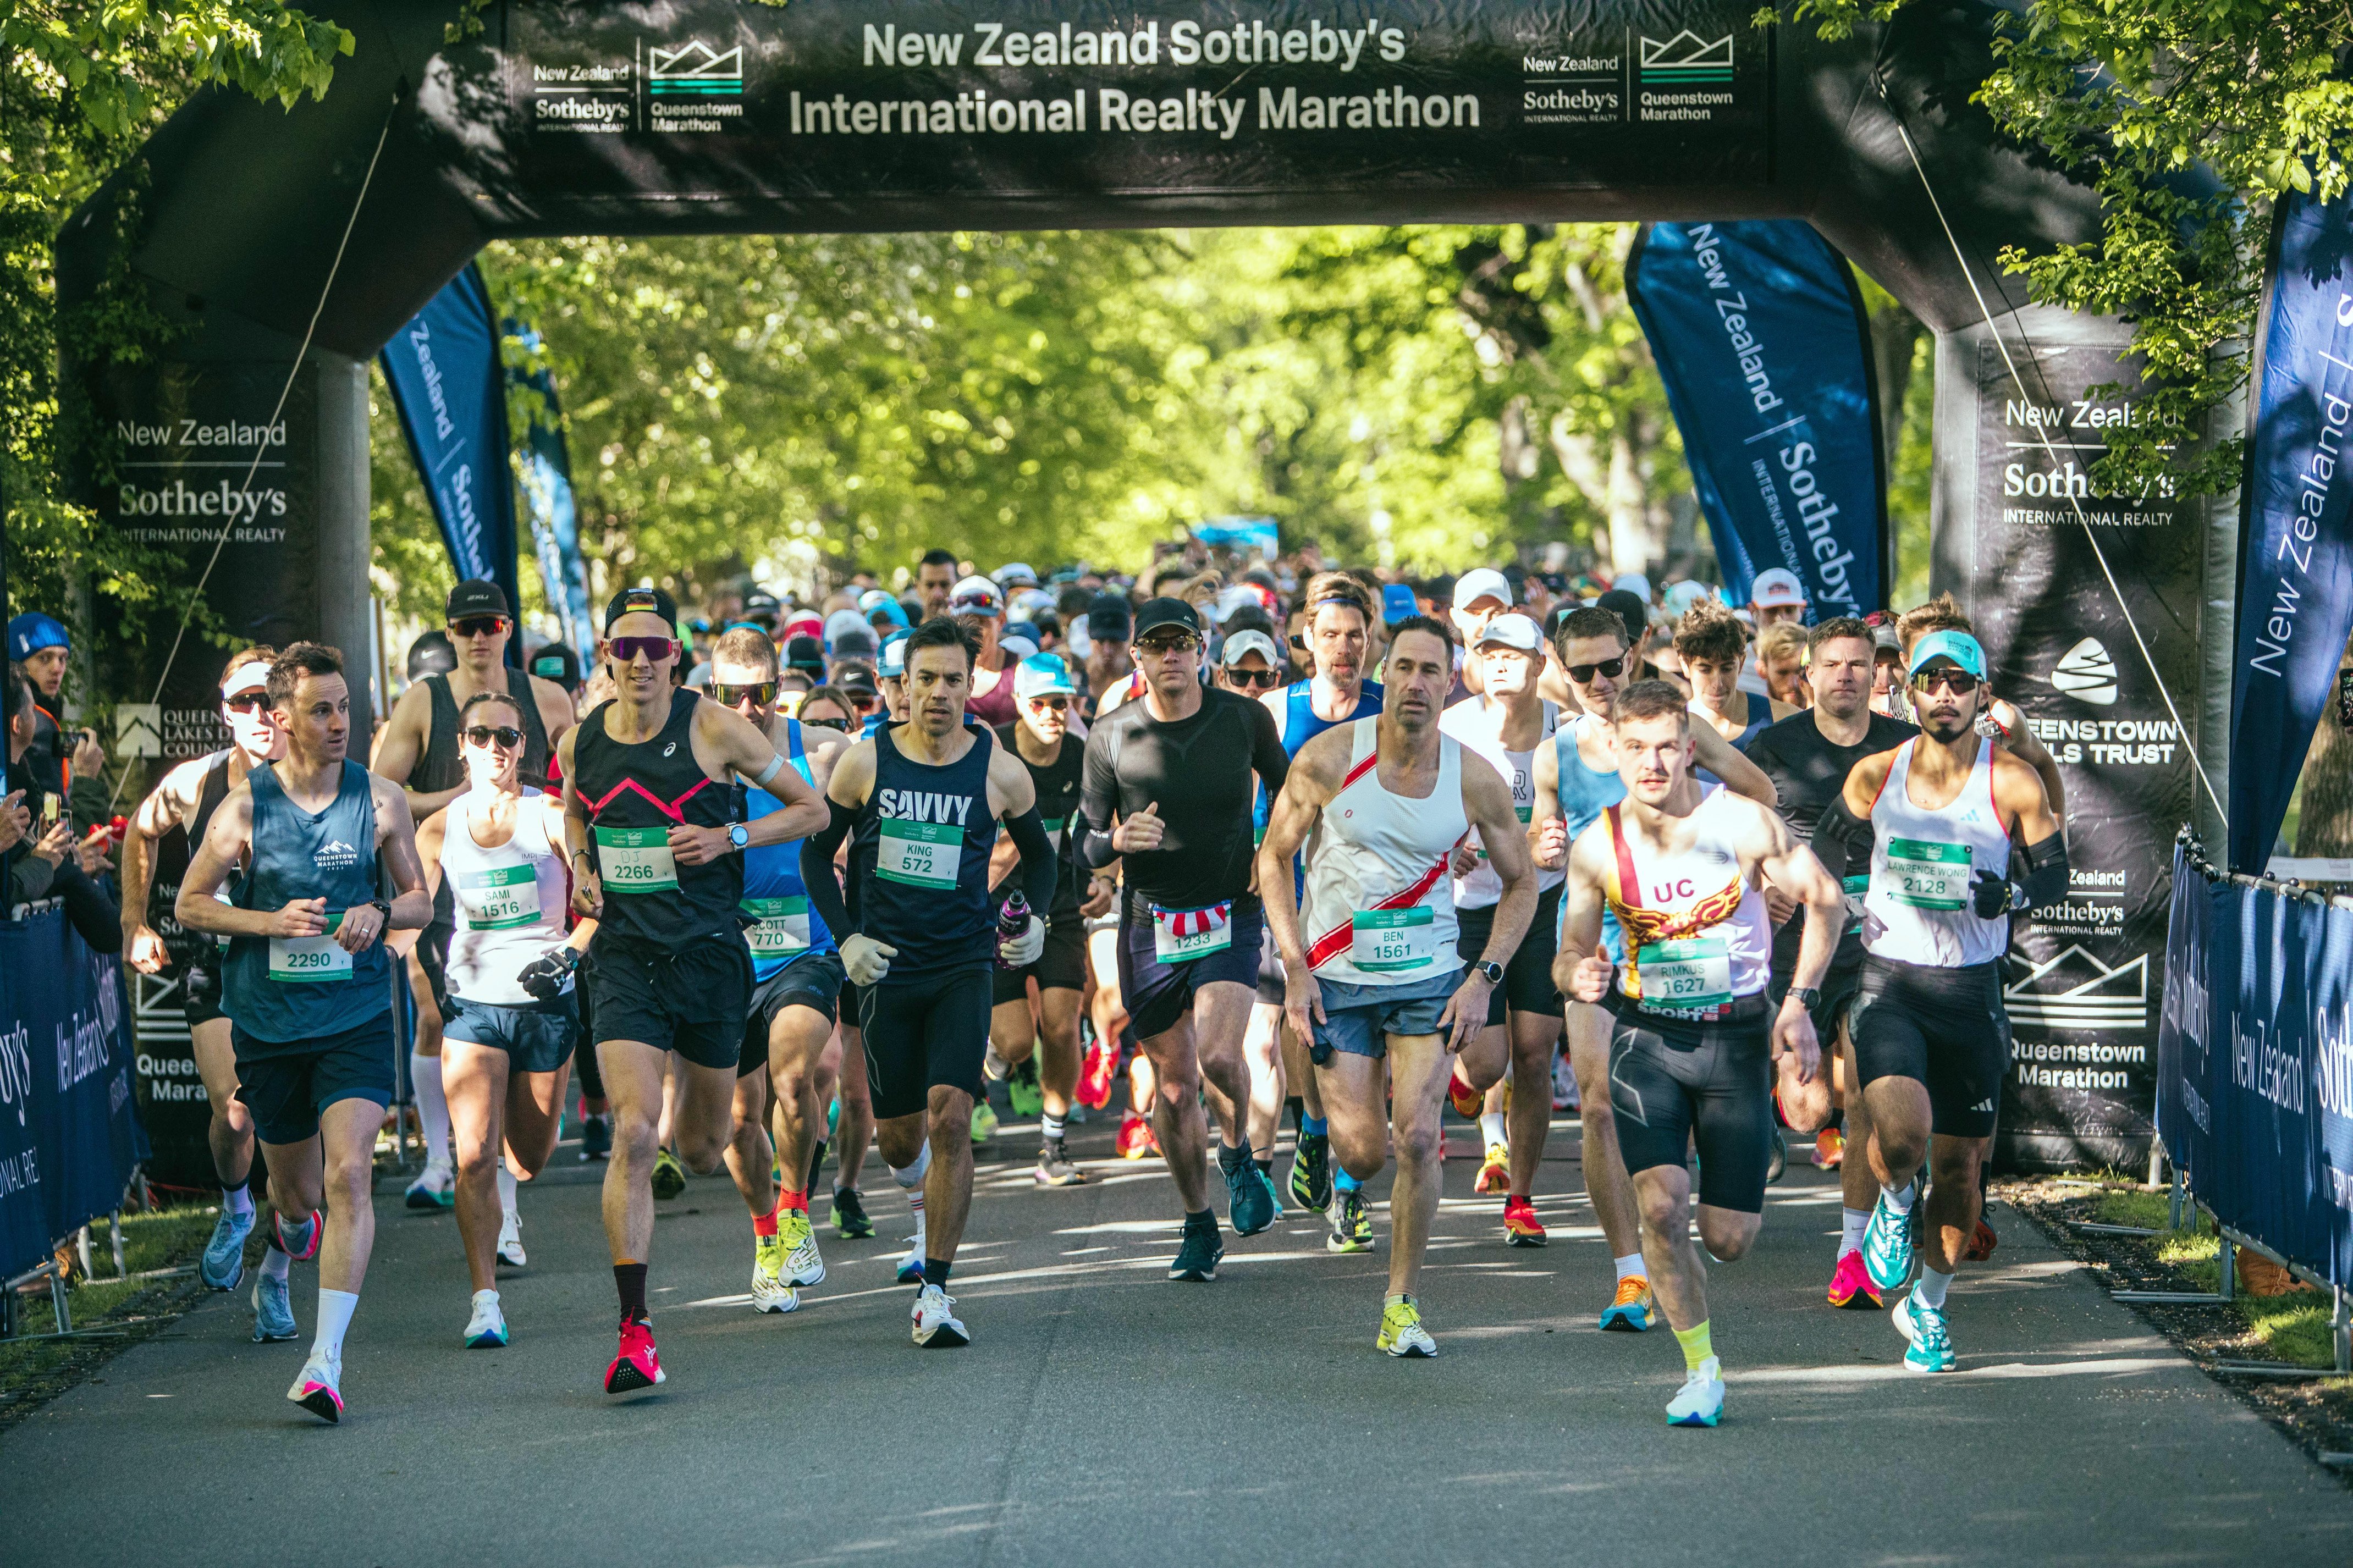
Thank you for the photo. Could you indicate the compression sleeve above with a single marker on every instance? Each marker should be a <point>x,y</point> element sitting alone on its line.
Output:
<point>775,765</point>
<point>817,875</point>
<point>1028,832</point>
<point>1098,798</point>
<point>1842,839</point>
<point>2045,882</point>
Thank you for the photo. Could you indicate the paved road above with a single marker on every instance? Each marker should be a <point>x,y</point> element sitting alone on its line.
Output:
<point>1106,1415</point>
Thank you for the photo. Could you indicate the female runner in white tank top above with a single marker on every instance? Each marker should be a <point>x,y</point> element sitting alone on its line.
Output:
<point>507,1050</point>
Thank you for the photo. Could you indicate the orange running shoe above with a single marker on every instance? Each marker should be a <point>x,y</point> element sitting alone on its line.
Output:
<point>1830,1149</point>
<point>1135,1139</point>
<point>1982,1241</point>
<point>1850,1285</point>
<point>1632,1309</point>
<point>1467,1102</point>
<point>1521,1227</point>
<point>1495,1176</point>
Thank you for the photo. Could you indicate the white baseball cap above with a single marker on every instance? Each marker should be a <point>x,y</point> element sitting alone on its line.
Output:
<point>1632,582</point>
<point>1481,583</point>
<point>976,595</point>
<point>1777,588</point>
<point>1246,641</point>
<point>1512,631</point>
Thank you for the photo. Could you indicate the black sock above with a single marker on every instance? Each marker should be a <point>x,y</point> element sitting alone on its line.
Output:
<point>1203,1219</point>
<point>1232,1159</point>
<point>1298,1108</point>
<point>1265,1167</point>
<point>817,1164</point>
<point>629,1280</point>
<point>935,1271</point>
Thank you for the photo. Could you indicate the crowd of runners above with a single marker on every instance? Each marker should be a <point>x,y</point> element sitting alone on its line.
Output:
<point>1228,848</point>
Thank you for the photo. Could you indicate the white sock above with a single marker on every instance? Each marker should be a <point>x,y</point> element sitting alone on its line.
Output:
<point>1932,1287</point>
<point>432,1106</point>
<point>335,1308</point>
<point>506,1189</point>
<point>238,1202</point>
<point>1853,1223</point>
<point>1491,1127</point>
<point>994,1065</point>
<point>911,1177</point>
<point>1900,1202</point>
<point>1051,1125</point>
<point>1630,1267</point>
<point>276,1264</point>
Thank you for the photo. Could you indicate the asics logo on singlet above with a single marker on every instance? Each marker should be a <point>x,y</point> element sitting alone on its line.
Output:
<point>923,806</point>
<point>335,855</point>
<point>670,749</point>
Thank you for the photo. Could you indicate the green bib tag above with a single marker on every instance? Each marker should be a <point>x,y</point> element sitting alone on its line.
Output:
<point>499,899</point>
<point>920,854</point>
<point>309,960</point>
<point>1694,971</point>
<point>784,928</point>
<point>635,860</point>
<point>1928,876</point>
<point>1388,941</point>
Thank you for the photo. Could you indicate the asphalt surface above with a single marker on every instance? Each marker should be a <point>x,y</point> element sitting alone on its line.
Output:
<point>1103,1414</point>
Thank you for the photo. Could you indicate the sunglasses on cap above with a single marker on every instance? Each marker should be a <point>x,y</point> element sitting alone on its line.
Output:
<point>503,735</point>
<point>1959,681</point>
<point>1060,704</point>
<point>760,693</point>
<point>1257,680</point>
<point>656,649</point>
<point>479,626</point>
<point>246,701</point>
<point>1613,667</point>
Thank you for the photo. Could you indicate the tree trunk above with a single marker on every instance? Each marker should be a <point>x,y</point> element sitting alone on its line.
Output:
<point>2324,826</point>
<point>1895,332</point>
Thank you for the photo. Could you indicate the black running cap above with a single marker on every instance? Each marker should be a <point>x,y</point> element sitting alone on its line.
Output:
<point>1155,613</point>
<point>632,599</point>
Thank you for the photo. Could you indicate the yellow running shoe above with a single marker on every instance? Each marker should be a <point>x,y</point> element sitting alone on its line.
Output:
<point>802,1264</point>
<point>1401,1331</point>
<point>1495,1176</point>
<point>770,1293</point>
<point>1634,1307</point>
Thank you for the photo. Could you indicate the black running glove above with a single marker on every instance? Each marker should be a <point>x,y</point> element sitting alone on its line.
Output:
<point>545,976</point>
<point>1989,895</point>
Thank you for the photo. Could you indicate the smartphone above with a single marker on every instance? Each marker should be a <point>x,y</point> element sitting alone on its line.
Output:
<point>49,812</point>
<point>2344,700</point>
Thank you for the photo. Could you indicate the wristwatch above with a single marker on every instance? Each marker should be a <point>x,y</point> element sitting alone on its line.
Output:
<point>1491,969</point>
<point>738,834</point>
<point>1806,996</point>
<point>382,911</point>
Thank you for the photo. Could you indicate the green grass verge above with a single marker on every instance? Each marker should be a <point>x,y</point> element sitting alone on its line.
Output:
<point>158,1240</point>
<point>2293,1327</point>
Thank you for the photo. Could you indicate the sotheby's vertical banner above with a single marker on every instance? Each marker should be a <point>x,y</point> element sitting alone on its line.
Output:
<point>2295,558</point>
<point>449,386</point>
<point>2082,985</point>
<point>1760,337</point>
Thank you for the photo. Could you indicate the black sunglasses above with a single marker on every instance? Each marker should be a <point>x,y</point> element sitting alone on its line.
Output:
<point>840,724</point>
<point>1260,680</point>
<point>1613,667</point>
<point>760,692</point>
<point>506,735</point>
<point>1960,680</point>
<point>478,625</point>
<point>246,701</point>
<point>1059,704</point>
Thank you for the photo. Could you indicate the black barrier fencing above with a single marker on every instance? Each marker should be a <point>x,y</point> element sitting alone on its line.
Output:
<point>2254,1050</point>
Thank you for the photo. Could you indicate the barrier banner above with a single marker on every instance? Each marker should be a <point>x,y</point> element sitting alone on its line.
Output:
<point>2185,1025</point>
<point>2266,1121</point>
<point>2295,542</point>
<point>449,388</point>
<point>1761,339</point>
<point>68,1137</point>
<point>546,466</point>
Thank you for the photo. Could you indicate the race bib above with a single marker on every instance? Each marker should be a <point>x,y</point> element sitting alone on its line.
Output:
<point>1695,971</point>
<point>920,854</point>
<point>309,960</point>
<point>1928,876</point>
<point>1054,832</point>
<point>1179,936</point>
<point>635,860</point>
<point>1388,941</point>
<point>499,899</point>
<point>1523,812</point>
<point>784,928</point>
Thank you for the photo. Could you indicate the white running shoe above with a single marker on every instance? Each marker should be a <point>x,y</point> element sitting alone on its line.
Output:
<point>487,1328</point>
<point>936,1325</point>
<point>910,1267</point>
<point>771,1291</point>
<point>802,1264</point>
<point>316,1388</point>
<point>511,1252</point>
<point>1700,1401</point>
<point>436,1188</point>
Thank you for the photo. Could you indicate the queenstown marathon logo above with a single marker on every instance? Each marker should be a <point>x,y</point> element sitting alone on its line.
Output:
<point>335,855</point>
<point>2077,991</point>
<point>694,70</point>
<point>1686,60</point>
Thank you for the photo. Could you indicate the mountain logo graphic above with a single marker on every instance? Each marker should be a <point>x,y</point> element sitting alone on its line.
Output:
<point>695,69</point>
<point>138,729</point>
<point>2086,673</point>
<point>1687,59</point>
<point>2077,991</point>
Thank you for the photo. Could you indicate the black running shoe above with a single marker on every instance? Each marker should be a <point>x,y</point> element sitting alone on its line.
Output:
<point>1198,1258</point>
<point>1777,1162</point>
<point>849,1214</point>
<point>595,1137</point>
<point>1311,1172</point>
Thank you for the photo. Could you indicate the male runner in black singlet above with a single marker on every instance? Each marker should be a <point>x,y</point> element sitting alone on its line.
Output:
<point>920,803</point>
<point>649,817</point>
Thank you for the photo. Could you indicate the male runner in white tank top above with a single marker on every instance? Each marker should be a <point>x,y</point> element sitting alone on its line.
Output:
<point>1373,971</point>
<point>1940,814</point>
<point>1690,1050</point>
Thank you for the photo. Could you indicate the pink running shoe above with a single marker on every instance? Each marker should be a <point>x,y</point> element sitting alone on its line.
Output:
<point>1850,1285</point>
<point>638,1364</point>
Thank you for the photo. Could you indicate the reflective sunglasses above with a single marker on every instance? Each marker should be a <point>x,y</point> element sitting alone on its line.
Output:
<point>864,703</point>
<point>479,626</point>
<point>1959,681</point>
<point>1161,647</point>
<point>1059,704</point>
<point>656,649</point>
<point>246,702</point>
<point>1258,680</point>
<point>505,735</point>
<point>840,724</point>
<point>1613,667</point>
<point>759,692</point>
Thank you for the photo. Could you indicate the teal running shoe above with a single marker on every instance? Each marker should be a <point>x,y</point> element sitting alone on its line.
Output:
<point>1924,1329</point>
<point>222,1264</point>
<point>1250,1198</point>
<point>273,1310</point>
<point>1887,1245</point>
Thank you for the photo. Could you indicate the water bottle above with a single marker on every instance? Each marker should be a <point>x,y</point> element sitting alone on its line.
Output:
<point>1012,922</point>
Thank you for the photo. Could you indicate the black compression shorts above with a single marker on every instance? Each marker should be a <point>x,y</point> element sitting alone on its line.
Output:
<point>1838,989</point>
<point>1062,966</point>
<point>200,990</point>
<point>1158,994</point>
<point>1944,1028</point>
<point>813,981</point>
<point>932,1034</point>
<point>1671,1085</point>
<point>1527,985</point>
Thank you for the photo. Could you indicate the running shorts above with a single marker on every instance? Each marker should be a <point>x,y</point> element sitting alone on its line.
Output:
<point>1942,1027</point>
<point>693,1000</point>
<point>1673,1084</point>
<point>1359,1019</point>
<point>814,979</point>
<point>1527,985</point>
<point>1838,988</point>
<point>433,946</point>
<point>929,1034</point>
<point>1156,994</point>
<point>1062,966</point>
<point>286,1086</point>
<point>539,1037</point>
<point>1272,983</point>
<point>200,993</point>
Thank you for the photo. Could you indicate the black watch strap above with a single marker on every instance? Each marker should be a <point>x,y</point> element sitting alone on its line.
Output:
<point>1808,997</point>
<point>1491,969</point>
